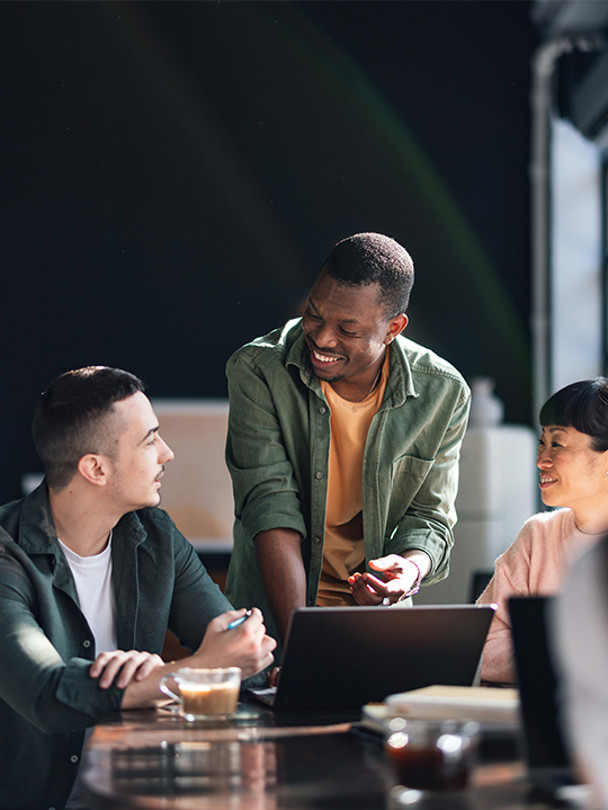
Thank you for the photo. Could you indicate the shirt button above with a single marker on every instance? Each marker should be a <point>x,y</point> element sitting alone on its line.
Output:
<point>322,409</point>
<point>318,474</point>
<point>316,540</point>
<point>73,758</point>
<point>86,643</point>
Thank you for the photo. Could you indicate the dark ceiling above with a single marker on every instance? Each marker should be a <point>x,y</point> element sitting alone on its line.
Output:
<point>175,173</point>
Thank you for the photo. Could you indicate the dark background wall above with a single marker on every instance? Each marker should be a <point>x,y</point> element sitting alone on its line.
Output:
<point>173,175</point>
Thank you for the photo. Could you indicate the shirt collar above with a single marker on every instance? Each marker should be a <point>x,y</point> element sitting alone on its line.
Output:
<point>37,533</point>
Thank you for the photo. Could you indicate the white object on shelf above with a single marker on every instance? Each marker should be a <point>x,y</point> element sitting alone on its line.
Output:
<point>486,408</point>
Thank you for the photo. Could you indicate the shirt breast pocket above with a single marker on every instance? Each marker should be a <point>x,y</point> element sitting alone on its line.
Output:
<point>409,474</point>
<point>411,467</point>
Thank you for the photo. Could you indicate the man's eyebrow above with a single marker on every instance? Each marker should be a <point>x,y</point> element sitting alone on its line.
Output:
<point>312,304</point>
<point>344,320</point>
<point>149,433</point>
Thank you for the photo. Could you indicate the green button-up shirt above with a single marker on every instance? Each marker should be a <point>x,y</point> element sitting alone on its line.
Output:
<point>47,697</point>
<point>277,452</point>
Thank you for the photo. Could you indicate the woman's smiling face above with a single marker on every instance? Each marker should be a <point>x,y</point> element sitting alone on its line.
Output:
<point>572,473</point>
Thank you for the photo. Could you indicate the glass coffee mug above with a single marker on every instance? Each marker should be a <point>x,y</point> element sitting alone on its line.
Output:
<point>429,756</point>
<point>204,694</point>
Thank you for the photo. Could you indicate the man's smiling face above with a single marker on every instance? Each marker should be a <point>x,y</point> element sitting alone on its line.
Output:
<point>347,330</point>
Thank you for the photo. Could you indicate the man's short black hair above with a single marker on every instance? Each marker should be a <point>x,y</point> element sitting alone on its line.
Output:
<point>74,417</point>
<point>372,258</point>
<point>582,405</point>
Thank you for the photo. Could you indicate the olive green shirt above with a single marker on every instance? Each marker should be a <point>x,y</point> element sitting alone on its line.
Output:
<point>277,451</point>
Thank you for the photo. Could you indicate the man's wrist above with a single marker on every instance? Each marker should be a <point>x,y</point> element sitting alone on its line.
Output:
<point>415,587</point>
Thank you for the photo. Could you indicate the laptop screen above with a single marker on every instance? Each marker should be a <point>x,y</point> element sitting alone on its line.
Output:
<point>342,658</point>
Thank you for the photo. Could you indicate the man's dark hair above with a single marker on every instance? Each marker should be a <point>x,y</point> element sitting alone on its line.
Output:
<point>372,258</point>
<point>74,417</point>
<point>582,405</point>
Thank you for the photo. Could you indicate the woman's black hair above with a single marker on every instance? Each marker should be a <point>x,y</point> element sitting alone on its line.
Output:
<point>582,405</point>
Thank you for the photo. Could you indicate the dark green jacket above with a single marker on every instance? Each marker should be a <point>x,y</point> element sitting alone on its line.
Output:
<point>277,452</point>
<point>47,697</point>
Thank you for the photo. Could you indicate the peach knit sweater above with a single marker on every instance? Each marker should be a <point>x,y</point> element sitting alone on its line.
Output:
<point>534,565</point>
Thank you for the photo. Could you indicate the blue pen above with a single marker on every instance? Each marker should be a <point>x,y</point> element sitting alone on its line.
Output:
<point>235,622</point>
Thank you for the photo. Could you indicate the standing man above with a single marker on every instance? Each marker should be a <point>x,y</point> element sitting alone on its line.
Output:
<point>343,445</point>
<point>91,576</point>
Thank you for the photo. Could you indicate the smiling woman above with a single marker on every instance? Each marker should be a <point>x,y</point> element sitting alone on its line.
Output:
<point>573,465</point>
<point>573,474</point>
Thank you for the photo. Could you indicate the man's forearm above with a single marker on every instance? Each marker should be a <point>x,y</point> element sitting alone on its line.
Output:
<point>246,646</point>
<point>282,568</point>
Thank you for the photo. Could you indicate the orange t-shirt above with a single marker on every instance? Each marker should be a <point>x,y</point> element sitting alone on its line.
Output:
<point>343,547</point>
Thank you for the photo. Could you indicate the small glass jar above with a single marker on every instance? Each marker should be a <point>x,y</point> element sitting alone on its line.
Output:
<point>428,756</point>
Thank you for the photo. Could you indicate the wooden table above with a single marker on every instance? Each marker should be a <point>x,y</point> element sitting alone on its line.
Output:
<point>155,760</point>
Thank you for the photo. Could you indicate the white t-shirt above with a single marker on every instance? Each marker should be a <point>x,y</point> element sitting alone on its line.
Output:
<point>93,578</point>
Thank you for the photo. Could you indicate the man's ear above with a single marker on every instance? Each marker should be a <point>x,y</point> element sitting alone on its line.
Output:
<point>396,325</point>
<point>93,469</point>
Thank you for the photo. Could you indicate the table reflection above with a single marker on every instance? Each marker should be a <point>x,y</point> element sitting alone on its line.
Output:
<point>196,768</point>
<point>153,761</point>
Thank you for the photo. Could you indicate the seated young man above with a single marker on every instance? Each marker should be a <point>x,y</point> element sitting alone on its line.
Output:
<point>91,576</point>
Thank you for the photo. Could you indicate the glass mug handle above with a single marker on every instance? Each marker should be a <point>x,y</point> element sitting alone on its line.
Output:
<point>162,685</point>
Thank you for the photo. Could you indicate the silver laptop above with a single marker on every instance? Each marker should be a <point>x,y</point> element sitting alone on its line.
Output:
<point>337,659</point>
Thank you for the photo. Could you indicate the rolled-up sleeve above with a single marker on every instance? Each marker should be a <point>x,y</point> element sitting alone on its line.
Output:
<point>266,492</point>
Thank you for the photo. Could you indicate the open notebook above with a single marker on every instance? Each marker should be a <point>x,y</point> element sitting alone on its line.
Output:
<point>338,659</point>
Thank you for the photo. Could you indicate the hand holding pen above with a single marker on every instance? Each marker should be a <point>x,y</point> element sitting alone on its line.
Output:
<point>247,645</point>
<point>236,622</point>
